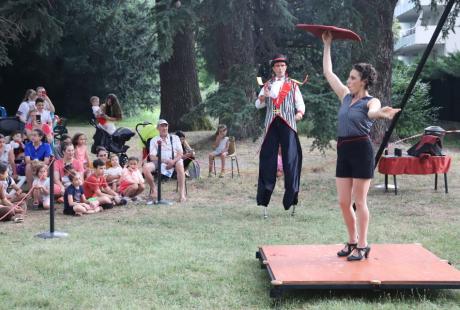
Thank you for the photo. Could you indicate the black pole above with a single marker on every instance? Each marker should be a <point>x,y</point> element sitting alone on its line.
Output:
<point>51,174</point>
<point>409,89</point>
<point>52,233</point>
<point>159,171</point>
<point>159,200</point>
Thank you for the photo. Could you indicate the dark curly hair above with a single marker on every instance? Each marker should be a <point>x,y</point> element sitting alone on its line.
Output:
<point>367,72</point>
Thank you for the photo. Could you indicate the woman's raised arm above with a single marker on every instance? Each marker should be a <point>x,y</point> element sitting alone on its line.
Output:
<point>337,86</point>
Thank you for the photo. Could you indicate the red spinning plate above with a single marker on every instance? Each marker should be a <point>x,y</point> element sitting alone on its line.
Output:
<point>337,33</point>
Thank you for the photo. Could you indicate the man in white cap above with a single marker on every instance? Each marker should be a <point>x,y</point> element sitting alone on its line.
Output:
<point>171,160</point>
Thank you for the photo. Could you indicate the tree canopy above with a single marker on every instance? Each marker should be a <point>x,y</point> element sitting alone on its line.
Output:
<point>194,57</point>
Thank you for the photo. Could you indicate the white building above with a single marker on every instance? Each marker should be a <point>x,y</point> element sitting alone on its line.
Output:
<point>417,27</point>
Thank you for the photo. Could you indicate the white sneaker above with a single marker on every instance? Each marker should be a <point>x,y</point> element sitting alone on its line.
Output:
<point>150,202</point>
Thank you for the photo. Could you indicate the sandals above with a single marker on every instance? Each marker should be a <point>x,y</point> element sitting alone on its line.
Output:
<point>18,220</point>
<point>361,253</point>
<point>349,247</point>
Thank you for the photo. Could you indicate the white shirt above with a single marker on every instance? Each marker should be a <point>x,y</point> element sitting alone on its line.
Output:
<point>96,110</point>
<point>274,91</point>
<point>166,152</point>
<point>23,110</point>
<point>45,117</point>
<point>113,171</point>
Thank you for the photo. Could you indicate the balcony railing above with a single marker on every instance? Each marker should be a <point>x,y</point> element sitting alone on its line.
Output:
<point>419,35</point>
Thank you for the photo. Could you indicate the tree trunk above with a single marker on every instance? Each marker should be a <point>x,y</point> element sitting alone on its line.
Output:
<point>377,49</point>
<point>235,41</point>
<point>180,91</point>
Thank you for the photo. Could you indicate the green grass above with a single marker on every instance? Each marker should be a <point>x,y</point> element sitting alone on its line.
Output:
<point>150,116</point>
<point>452,141</point>
<point>201,254</point>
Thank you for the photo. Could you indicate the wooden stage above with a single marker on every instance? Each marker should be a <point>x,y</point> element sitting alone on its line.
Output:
<point>389,266</point>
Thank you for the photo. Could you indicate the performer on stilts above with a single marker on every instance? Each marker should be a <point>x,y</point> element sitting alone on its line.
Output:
<point>285,106</point>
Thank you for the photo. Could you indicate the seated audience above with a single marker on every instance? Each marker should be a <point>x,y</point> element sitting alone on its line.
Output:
<point>62,167</point>
<point>75,202</point>
<point>9,210</point>
<point>220,147</point>
<point>41,187</point>
<point>131,181</point>
<point>81,150</point>
<point>98,114</point>
<point>11,190</point>
<point>35,122</point>
<point>48,105</point>
<point>171,159</point>
<point>111,111</point>
<point>36,151</point>
<point>113,173</point>
<point>7,155</point>
<point>95,186</point>
<point>26,105</point>
<point>58,152</point>
<point>189,154</point>
<point>102,154</point>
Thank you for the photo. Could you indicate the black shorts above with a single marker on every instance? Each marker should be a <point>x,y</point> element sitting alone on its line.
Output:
<point>355,158</point>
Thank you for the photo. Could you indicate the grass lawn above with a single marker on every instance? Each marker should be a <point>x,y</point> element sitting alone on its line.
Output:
<point>202,254</point>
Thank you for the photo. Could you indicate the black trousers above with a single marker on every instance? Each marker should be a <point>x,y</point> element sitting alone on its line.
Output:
<point>278,134</point>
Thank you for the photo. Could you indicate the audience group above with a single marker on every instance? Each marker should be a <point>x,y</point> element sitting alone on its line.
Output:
<point>83,185</point>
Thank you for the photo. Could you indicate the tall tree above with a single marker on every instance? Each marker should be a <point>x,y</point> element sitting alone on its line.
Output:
<point>101,47</point>
<point>180,91</point>
<point>376,25</point>
<point>239,36</point>
<point>27,20</point>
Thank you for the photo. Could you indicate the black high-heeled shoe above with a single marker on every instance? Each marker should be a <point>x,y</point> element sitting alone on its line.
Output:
<point>349,248</point>
<point>362,253</point>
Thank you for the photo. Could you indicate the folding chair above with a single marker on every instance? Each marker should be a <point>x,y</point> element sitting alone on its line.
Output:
<point>231,154</point>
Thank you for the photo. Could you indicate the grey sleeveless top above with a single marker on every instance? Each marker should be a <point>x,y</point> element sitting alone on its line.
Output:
<point>353,121</point>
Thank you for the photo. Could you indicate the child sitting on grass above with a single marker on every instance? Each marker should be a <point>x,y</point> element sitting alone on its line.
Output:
<point>132,181</point>
<point>18,147</point>
<point>41,186</point>
<point>95,186</point>
<point>11,190</point>
<point>113,173</point>
<point>75,202</point>
<point>9,208</point>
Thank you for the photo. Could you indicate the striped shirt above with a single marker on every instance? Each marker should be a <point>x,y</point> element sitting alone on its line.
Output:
<point>292,103</point>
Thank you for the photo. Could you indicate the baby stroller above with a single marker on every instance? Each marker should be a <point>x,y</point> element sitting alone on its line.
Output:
<point>114,143</point>
<point>9,124</point>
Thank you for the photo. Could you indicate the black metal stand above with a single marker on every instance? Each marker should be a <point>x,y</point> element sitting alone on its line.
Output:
<point>52,233</point>
<point>159,200</point>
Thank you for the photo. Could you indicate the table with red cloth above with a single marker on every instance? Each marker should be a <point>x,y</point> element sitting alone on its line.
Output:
<point>396,165</point>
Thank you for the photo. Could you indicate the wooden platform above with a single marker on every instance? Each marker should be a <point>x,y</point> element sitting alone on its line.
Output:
<point>389,266</point>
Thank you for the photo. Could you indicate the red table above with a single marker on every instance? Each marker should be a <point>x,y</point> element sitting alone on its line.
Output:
<point>414,165</point>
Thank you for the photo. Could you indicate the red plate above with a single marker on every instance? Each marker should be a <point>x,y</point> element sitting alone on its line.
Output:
<point>337,33</point>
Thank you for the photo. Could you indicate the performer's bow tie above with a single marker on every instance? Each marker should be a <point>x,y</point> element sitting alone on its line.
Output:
<point>279,79</point>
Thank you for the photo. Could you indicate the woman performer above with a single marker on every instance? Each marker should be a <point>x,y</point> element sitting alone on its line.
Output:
<point>355,156</point>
